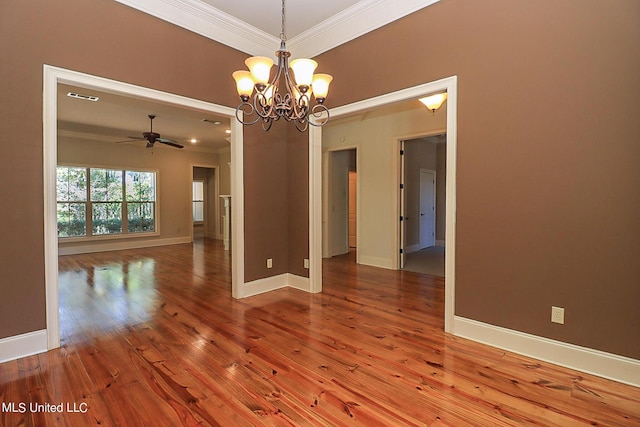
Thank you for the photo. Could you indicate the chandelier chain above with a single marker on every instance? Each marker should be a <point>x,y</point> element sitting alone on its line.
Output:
<point>283,36</point>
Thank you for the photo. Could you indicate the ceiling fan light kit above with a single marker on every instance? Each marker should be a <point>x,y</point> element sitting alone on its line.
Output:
<point>284,96</point>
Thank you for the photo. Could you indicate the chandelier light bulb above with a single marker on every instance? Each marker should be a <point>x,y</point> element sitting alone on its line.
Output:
<point>260,68</point>
<point>244,84</point>
<point>320,85</point>
<point>303,71</point>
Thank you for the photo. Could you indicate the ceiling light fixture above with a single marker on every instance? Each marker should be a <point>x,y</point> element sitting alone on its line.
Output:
<point>292,100</point>
<point>434,102</point>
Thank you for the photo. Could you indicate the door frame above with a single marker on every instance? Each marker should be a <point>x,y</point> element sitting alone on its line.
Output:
<point>448,84</point>
<point>52,76</point>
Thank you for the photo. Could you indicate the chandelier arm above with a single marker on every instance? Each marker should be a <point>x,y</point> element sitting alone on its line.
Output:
<point>246,113</point>
<point>302,125</point>
<point>266,124</point>
<point>319,110</point>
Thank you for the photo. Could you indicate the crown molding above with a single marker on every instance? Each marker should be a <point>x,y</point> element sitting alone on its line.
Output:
<point>351,23</point>
<point>209,22</point>
<point>203,19</point>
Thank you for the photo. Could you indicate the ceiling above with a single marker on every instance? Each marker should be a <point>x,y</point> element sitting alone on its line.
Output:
<point>312,27</point>
<point>115,118</point>
<point>301,15</point>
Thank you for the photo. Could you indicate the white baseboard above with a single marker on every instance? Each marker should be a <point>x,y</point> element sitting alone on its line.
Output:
<point>24,345</point>
<point>299,282</point>
<point>120,245</point>
<point>600,363</point>
<point>272,283</point>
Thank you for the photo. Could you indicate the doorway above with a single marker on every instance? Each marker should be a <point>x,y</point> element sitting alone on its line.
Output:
<point>422,202</point>
<point>342,202</point>
<point>54,76</point>
<point>204,200</point>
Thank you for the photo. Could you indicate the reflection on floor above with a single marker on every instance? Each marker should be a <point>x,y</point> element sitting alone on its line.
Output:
<point>426,261</point>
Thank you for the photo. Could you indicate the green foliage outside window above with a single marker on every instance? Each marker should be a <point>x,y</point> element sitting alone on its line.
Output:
<point>113,195</point>
<point>71,186</point>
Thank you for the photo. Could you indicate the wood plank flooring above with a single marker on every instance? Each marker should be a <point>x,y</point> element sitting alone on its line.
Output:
<point>152,337</point>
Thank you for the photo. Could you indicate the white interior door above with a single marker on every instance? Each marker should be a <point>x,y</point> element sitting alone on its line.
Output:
<point>427,208</point>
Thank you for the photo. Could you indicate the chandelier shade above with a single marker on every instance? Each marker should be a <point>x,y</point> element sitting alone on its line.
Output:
<point>268,97</point>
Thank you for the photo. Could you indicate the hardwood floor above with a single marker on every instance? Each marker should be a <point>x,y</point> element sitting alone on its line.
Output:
<point>152,337</point>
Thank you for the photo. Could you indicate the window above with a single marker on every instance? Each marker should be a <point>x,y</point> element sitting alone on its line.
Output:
<point>71,188</point>
<point>198,201</point>
<point>106,201</point>
<point>98,202</point>
<point>141,205</point>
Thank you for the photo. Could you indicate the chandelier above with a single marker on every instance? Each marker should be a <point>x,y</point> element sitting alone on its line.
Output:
<point>284,96</point>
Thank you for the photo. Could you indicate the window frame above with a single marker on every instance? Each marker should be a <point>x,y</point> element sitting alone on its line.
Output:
<point>125,233</point>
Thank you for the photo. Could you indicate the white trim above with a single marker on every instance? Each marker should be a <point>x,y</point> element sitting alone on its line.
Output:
<point>23,345</point>
<point>315,210</point>
<point>237,209</point>
<point>54,75</point>
<point>201,18</point>
<point>607,365</point>
<point>298,282</point>
<point>449,84</point>
<point>353,22</point>
<point>120,245</point>
<point>273,283</point>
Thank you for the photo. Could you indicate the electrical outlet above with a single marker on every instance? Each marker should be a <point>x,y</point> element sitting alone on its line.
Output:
<point>557,315</point>
<point>269,262</point>
<point>306,263</point>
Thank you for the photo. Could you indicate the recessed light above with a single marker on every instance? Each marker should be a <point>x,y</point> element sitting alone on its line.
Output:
<point>193,140</point>
<point>217,122</point>
<point>228,131</point>
<point>85,97</point>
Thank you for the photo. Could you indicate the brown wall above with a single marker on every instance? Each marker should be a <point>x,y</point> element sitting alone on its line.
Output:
<point>548,172</point>
<point>276,200</point>
<point>100,37</point>
<point>548,199</point>
<point>298,199</point>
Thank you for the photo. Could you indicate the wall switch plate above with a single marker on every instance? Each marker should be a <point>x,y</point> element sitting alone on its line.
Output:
<point>557,315</point>
<point>306,263</point>
<point>269,262</point>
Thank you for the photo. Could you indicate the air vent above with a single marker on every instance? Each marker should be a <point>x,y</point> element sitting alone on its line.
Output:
<point>85,97</point>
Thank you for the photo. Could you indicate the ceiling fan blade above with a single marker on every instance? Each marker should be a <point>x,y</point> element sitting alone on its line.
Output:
<point>170,142</point>
<point>133,139</point>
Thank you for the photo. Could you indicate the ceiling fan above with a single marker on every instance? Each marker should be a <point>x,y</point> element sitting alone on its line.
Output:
<point>152,137</point>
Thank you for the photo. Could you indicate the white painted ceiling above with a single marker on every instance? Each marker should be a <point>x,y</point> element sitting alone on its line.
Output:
<point>252,26</point>
<point>265,15</point>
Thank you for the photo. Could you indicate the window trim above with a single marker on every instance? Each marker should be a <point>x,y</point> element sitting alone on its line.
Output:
<point>125,234</point>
